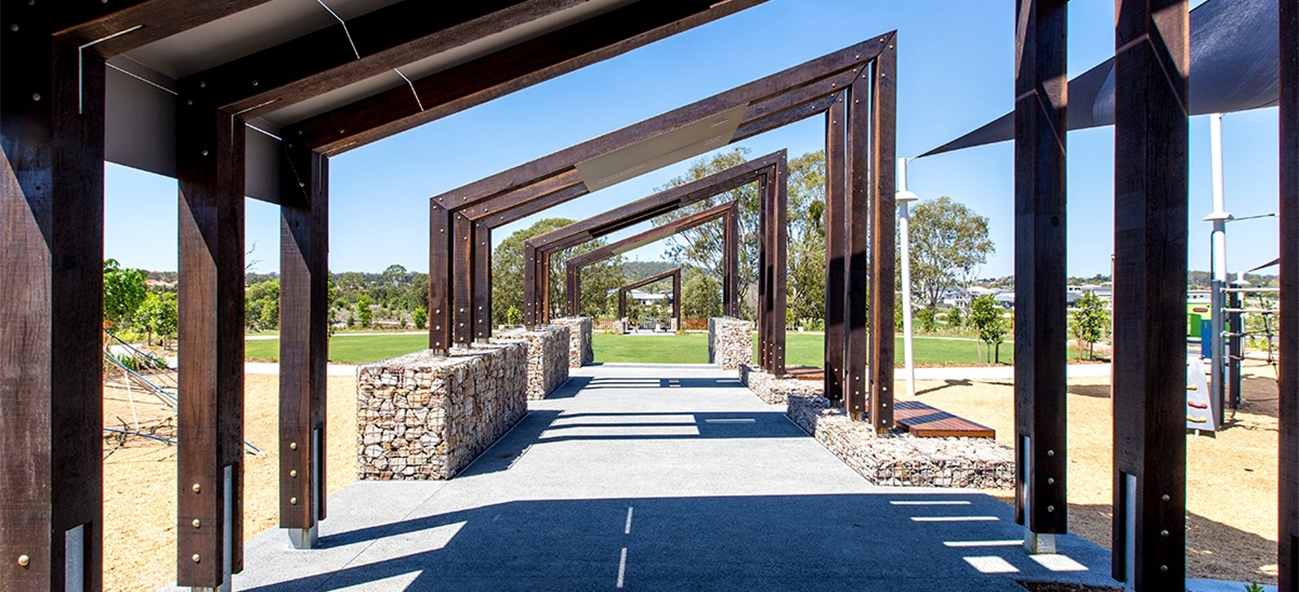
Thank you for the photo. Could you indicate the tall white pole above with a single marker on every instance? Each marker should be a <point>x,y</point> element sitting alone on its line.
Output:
<point>1218,264</point>
<point>904,223</point>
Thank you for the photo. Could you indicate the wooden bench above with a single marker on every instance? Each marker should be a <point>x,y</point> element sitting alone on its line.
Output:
<point>925,421</point>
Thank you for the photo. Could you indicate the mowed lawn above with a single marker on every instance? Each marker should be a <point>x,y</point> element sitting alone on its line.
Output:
<point>803,349</point>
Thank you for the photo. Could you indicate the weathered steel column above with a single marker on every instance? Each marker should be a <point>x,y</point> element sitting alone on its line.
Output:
<point>622,303</point>
<point>543,287</point>
<point>482,285</point>
<point>1288,365</point>
<point>883,234</point>
<point>836,292</point>
<point>1040,320</point>
<point>573,291</point>
<point>857,284</point>
<point>764,273</point>
<point>529,285</point>
<point>440,293</point>
<point>462,279</point>
<point>304,341</point>
<point>731,262</point>
<point>1150,219</point>
<point>210,163</point>
<point>676,300</point>
<point>51,280</point>
<point>779,196</point>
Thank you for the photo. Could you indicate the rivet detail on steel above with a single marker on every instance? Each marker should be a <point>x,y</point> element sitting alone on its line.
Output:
<point>24,560</point>
<point>197,523</point>
<point>1163,533</point>
<point>197,488</point>
<point>1164,497</point>
<point>36,96</point>
<point>1050,453</point>
<point>196,558</point>
<point>293,501</point>
<point>1050,480</point>
<point>293,473</point>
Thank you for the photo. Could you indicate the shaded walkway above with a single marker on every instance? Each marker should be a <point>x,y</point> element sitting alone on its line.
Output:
<point>659,478</point>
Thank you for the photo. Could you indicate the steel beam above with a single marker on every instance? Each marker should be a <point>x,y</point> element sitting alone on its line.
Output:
<point>1150,220</point>
<point>1040,321</point>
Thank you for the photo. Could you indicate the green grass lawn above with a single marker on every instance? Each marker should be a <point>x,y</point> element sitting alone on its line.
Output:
<point>801,349</point>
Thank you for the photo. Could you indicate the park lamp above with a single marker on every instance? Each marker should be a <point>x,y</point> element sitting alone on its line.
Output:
<point>904,199</point>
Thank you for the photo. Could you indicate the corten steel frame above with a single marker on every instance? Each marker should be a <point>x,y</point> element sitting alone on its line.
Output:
<point>52,119</point>
<point>1040,321</point>
<point>1288,366</point>
<point>728,213</point>
<point>538,249</point>
<point>861,76</point>
<point>674,273</point>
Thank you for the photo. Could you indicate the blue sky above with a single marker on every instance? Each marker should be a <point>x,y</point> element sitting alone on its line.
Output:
<point>955,72</point>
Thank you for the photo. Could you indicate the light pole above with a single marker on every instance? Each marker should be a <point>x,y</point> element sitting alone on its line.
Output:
<point>904,199</point>
<point>1217,261</point>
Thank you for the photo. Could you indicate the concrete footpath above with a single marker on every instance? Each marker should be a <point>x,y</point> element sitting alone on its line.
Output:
<point>660,478</point>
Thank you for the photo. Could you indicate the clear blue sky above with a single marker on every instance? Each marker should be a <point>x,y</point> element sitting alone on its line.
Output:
<point>955,73</point>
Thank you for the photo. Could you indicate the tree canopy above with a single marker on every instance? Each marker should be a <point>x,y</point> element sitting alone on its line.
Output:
<point>949,242</point>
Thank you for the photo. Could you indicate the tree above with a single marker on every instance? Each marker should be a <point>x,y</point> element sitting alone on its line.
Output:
<point>986,318</point>
<point>1089,322</point>
<point>948,244</point>
<point>806,284</point>
<point>262,306</point>
<point>157,316</point>
<point>420,317</point>
<point>363,310</point>
<point>124,292</point>
<point>701,295</point>
<point>395,276</point>
<point>954,318</point>
<point>927,319</point>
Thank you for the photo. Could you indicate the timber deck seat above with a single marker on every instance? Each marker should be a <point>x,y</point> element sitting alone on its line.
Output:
<point>926,421</point>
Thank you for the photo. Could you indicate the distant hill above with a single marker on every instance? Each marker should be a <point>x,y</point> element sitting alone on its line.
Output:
<point>636,270</point>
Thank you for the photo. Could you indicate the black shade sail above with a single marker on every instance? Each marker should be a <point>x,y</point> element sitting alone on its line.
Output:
<point>1234,66</point>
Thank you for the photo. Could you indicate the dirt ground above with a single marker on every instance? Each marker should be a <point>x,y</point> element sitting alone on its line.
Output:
<point>1231,479</point>
<point>1231,490</point>
<point>140,479</point>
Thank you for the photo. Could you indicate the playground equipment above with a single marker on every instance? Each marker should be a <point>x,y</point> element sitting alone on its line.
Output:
<point>1224,339</point>
<point>161,385</point>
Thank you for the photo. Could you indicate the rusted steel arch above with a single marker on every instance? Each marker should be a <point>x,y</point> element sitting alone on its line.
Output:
<point>538,249</point>
<point>859,79</point>
<point>728,213</point>
<point>674,273</point>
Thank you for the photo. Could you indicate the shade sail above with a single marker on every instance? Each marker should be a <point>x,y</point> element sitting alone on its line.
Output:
<point>1234,67</point>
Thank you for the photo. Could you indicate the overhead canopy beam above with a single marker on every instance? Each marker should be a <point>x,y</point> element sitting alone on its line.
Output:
<point>124,25</point>
<point>726,212</point>
<point>536,291</point>
<point>519,66</point>
<point>385,39</point>
<point>762,100</point>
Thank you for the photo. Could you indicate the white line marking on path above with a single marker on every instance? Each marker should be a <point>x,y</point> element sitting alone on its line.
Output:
<point>991,565</point>
<point>954,519</point>
<point>622,567</point>
<point>628,529</point>
<point>1009,543</point>
<point>929,503</point>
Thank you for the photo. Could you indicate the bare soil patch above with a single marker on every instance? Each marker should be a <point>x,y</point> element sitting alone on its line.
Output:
<point>140,479</point>
<point>1231,479</point>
